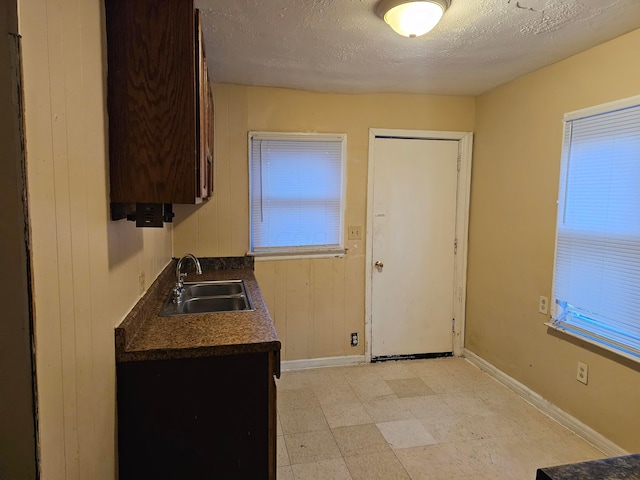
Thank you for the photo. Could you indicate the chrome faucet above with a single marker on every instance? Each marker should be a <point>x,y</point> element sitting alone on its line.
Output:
<point>178,289</point>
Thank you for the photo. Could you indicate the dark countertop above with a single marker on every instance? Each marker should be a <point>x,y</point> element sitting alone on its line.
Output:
<point>615,468</point>
<point>143,335</point>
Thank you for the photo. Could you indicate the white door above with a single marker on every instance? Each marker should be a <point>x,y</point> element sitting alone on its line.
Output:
<point>414,229</point>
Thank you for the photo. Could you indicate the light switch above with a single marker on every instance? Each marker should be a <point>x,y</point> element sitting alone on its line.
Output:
<point>355,232</point>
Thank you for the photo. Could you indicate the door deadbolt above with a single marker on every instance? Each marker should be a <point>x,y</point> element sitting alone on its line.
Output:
<point>379,264</point>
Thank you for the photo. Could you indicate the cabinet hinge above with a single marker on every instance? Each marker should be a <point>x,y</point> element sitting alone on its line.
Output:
<point>453,325</point>
<point>455,246</point>
<point>459,164</point>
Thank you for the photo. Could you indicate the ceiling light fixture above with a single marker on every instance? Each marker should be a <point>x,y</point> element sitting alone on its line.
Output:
<point>412,18</point>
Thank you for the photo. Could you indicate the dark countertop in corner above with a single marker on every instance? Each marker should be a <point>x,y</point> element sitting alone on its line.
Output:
<point>626,467</point>
<point>143,335</point>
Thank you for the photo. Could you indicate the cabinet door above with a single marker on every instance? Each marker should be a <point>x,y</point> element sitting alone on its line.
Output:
<point>202,87</point>
<point>152,101</point>
<point>197,418</point>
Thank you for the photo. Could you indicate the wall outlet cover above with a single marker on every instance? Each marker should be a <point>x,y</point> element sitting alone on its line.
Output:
<point>583,373</point>
<point>543,305</point>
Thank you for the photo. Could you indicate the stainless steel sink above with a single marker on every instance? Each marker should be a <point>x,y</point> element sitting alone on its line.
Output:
<point>215,304</point>
<point>210,297</point>
<point>213,289</point>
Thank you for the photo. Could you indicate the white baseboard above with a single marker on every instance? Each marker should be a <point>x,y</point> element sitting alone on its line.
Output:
<point>287,366</point>
<point>563,418</point>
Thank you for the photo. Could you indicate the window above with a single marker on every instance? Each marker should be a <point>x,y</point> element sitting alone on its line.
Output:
<point>597,266</point>
<point>296,185</point>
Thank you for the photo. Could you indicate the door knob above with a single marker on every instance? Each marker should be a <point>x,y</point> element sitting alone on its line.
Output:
<point>379,264</point>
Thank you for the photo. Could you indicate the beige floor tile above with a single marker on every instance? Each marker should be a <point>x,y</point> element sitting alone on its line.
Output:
<point>278,425</point>
<point>458,366</point>
<point>335,394</point>
<point>405,434</point>
<point>448,429</point>
<point>505,454</point>
<point>480,455</point>
<point>487,426</point>
<point>457,428</point>
<point>499,397</point>
<point>409,387</point>
<point>444,384</point>
<point>376,466</point>
<point>531,453</point>
<point>566,446</point>
<point>293,380</point>
<point>491,475</point>
<point>477,383</point>
<point>466,403</point>
<point>283,456</point>
<point>326,376</point>
<point>388,410</point>
<point>303,420</point>
<point>371,386</point>
<point>352,371</point>
<point>393,370</point>
<point>346,415</point>
<point>533,421</point>
<point>428,368</point>
<point>334,469</point>
<point>360,439</point>
<point>311,447</point>
<point>430,406</point>
<point>432,462</point>
<point>284,473</point>
<point>474,373</point>
<point>297,398</point>
<point>508,408</point>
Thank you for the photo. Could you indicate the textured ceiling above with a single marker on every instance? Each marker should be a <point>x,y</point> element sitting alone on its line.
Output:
<point>342,46</point>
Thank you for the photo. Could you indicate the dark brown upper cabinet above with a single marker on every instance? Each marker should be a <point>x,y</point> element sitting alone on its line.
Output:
<point>160,103</point>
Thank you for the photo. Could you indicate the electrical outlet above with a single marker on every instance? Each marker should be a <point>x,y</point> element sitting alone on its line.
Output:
<point>543,305</point>
<point>141,283</point>
<point>354,339</point>
<point>583,373</point>
<point>355,232</point>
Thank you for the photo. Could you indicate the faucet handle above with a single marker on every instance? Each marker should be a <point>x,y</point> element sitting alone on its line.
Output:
<point>178,289</point>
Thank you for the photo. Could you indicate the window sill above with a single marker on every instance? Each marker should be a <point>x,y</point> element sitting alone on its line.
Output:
<point>271,256</point>
<point>585,338</point>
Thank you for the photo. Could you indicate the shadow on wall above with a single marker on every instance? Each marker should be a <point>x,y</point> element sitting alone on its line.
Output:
<point>614,357</point>
<point>124,241</point>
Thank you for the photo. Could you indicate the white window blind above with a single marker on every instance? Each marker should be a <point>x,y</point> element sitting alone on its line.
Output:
<point>296,192</point>
<point>597,266</point>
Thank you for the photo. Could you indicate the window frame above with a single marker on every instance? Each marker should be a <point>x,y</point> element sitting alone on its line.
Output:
<point>584,334</point>
<point>293,252</point>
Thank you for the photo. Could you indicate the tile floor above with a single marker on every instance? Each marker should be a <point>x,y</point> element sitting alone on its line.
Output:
<point>415,419</point>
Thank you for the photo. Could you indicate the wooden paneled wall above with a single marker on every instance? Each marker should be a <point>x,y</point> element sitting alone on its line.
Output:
<point>85,267</point>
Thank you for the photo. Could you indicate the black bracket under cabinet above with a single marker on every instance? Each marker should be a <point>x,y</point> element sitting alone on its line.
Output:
<point>144,214</point>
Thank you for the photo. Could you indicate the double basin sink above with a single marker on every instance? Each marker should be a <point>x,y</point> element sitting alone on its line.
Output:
<point>210,297</point>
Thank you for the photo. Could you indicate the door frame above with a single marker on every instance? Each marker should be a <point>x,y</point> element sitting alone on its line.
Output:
<point>465,143</point>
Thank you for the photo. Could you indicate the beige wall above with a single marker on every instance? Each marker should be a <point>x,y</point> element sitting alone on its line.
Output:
<point>513,211</point>
<point>17,429</point>
<point>316,303</point>
<point>85,268</point>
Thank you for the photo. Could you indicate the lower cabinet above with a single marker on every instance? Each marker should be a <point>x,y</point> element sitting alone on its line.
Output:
<point>198,418</point>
